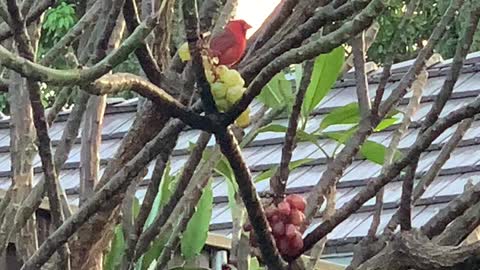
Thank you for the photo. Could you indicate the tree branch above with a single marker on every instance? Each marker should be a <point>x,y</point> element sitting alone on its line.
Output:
<point>279,180</point>
<point>292,42</point>
<point>180,190</point>
<point>271,25</point>
<point>358,46</point>
<point>413,250</point>
<point>190,17</point>
<point>117,184</point>
<point>38,72</point>
<point>437,224</point>
<point>32,16</point>
<point>25,48</point>
<point>114,83</point>
<point>392,171</point>
<point>230,150</point>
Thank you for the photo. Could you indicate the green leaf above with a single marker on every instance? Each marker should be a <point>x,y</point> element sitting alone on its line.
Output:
<point>162,196</point>
<point>386,123</point>
<point>152,253</point>
<point>273,128</point>
<point>195,235</point>
<point>277,93</point>
<point>348,114</point>
<point>265,175</point>
<point>325,72</point>
<point>114,256</point>
<point>373,151</point>
<point>292,166</point>
<point>255,265</point>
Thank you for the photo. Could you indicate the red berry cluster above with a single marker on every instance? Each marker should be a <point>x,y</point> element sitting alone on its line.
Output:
<point>285,220</point>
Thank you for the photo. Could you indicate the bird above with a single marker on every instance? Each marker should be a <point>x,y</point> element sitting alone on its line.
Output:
<point>229,45</point>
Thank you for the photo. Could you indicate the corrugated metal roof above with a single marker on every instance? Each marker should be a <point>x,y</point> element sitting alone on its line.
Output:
<point>265,152</point>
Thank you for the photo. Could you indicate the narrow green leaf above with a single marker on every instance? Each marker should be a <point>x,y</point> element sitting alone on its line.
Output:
<point>348,114</point>
<point>195,235</point>
<point>152,253</point>
<point>386,123</point>
<point>371,150</point>
<point>265,175</point>
<point>162,196</point>
<point>114,256</point>
<point>325,72</point>
<point>273,128</point>
<point>292,166</point>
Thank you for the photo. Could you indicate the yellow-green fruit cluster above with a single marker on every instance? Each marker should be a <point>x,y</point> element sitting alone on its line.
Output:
<point>227,86</point>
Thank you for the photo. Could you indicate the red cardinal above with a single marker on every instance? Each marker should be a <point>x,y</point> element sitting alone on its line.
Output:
<point>229,45</point>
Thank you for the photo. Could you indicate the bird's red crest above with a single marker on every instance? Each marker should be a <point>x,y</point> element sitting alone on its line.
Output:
<point>238,25</point>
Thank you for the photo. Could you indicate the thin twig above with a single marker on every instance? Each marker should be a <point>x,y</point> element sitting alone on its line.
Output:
<point>154,229</point>
<point>117,184</point>
<point>279,180</point>
<point>405,210</point>
<point>25,48</point>
<point>190,17</point>
<point>325,15</point>
<point>60,101</point>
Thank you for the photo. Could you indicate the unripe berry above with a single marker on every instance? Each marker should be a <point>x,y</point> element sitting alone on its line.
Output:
<point>296,217</point>
<point>284,208</point>
<point>234,93</point>
<point>296,201</point>
<point>231,77</point>
<point>221,70</point>
<point>244,119</point>
<point>278,228</point>
<point>222,104</point>
<point>219,90</point>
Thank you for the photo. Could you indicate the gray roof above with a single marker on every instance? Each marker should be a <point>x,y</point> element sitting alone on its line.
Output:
<point>265,152</point>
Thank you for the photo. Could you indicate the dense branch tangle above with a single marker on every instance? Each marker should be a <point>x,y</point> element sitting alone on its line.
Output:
<point>264,60</point>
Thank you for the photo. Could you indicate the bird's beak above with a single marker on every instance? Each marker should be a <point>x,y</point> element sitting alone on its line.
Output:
<point>247,26</point>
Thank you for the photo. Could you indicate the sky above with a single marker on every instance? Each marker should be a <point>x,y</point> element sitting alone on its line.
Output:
<point>254,12</point>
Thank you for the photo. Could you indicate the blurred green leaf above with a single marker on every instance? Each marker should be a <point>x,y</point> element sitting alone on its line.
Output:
<point>195,235</point>
<point>348,114</point>
<point>277,93</point>
<point>292,166</point>
<point>324,75</point>
<point>115,254</point>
